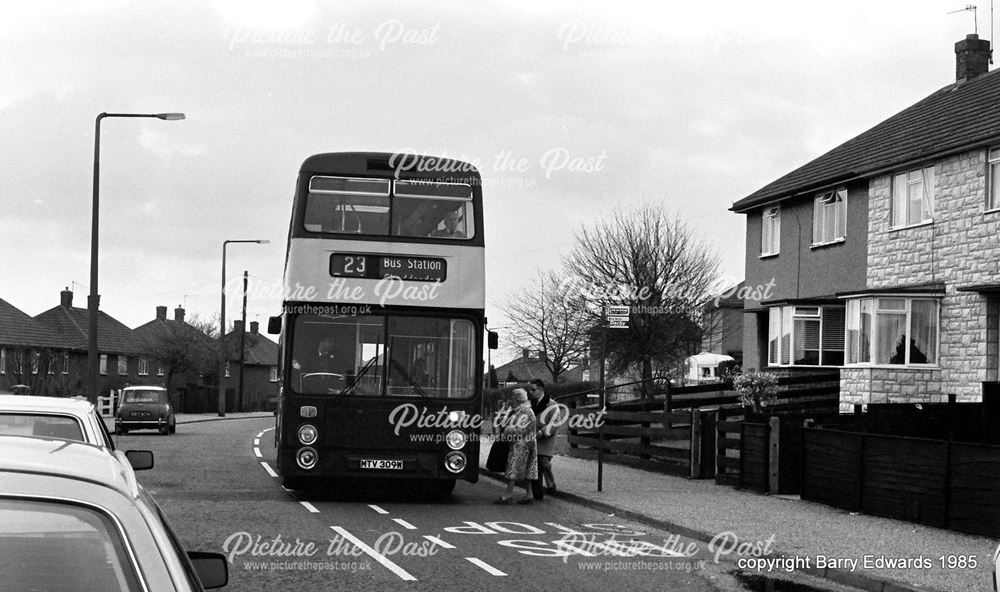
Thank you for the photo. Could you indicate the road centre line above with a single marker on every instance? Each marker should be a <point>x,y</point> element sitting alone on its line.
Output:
<point>485,566</point>
<point>268,468</point>
<point>382,559</point>
<point>256,452</point>
<point>404,524</point>
<point>377,509</point>
<point>309,507</point>
<point>256,441</point>
<point>438,542</point>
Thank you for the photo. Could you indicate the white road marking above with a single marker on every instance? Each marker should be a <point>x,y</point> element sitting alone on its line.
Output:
<point>256,441</point>
<point>256,452</point>
<point>485,566</point>
<point>268,468</point>
<point>438,542</point>
<point>404,524</point>
<point>385,561</point>
<point>377,509</point>
<point>309,507</point>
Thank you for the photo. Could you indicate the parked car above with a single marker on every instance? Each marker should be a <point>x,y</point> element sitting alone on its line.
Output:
<point>73,518</point>
<point>65,419</point>
<point>145,407</point>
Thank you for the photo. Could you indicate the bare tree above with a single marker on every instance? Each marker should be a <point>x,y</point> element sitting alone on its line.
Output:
<point>185,346</point>
<point>547,319</point>
<point>650,261</point>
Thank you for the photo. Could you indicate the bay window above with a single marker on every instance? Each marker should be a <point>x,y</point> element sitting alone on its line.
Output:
<point>893,331</point>
<point>806,336</point>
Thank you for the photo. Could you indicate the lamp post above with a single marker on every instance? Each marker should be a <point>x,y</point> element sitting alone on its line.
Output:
<point>222,325</point>
<point>93,301</point>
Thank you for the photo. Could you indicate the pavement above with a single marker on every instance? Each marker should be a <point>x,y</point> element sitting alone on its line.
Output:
<point>805,536</point>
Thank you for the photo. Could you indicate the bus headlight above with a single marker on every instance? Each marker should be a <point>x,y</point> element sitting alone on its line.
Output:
<point>306,458</point>
<point>455,439</point>
<point>455,462</point>
<point>308,435</point>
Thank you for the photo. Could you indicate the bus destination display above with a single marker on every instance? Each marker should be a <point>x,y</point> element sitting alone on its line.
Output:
<point>376,267</point>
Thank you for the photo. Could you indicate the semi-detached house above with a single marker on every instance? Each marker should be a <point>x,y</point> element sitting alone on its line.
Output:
<point>884,252</point>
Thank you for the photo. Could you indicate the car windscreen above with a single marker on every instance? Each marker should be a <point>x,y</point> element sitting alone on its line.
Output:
<point>60,546</point>
<point>143,396</point>
<point>65,427</point>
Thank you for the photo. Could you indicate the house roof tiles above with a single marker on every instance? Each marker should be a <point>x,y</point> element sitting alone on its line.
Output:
<point>18,328</point>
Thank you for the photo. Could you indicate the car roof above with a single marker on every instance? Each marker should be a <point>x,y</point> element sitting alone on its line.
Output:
<point>35,403</point>
<point>144,388</point>
<point>68,459</point>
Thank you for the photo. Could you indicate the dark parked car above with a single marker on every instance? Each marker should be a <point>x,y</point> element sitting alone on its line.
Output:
<point>145,407</point>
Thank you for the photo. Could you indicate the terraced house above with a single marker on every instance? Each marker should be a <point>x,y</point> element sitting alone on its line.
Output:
<point>884,252</point>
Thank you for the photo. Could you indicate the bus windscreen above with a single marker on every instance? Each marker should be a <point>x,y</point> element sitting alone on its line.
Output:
<point>377,356</point>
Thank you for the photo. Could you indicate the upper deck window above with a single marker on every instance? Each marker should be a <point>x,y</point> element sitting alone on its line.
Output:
<point>382,207</point>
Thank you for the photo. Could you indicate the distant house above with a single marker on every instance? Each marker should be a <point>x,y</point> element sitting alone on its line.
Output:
<point>883,253</point>
<point>530,366</point>
<point>117,347</point>
<point>34,355</point>
<point>260,369</point>
<point>179,357</point>
<point>722,326</point>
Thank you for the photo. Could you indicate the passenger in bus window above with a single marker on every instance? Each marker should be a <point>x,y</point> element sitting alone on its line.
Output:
<point>450,230</point>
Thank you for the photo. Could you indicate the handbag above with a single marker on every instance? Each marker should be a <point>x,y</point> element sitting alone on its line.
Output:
<point>497,459</point>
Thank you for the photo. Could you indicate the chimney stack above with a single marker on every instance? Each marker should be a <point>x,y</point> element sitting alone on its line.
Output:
<point>161,313</point>
<point>254,327</point>
<point>179,314</point>
<point>972,58</point>
<point>238,327</point>
<point>66,298</point>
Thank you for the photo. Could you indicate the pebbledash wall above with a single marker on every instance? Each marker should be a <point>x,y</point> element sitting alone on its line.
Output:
<point>961,247</point>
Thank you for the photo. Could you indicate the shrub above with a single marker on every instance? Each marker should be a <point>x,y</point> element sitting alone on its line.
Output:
<point>756,390</point>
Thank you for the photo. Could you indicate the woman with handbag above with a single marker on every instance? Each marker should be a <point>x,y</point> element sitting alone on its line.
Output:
<point>522,460</point>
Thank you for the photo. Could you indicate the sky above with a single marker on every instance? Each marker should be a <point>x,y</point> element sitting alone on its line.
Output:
<point>570,110</point>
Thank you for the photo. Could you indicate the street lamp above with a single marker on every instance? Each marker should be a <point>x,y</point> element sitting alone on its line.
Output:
<point>93,301</point>
<point>222,324</point>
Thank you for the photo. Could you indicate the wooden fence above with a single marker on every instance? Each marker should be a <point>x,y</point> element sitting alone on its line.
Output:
<point>935,482</point>
<point>699,431</point>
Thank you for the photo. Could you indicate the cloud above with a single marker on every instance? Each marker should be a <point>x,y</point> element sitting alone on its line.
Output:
<point>165,145</point>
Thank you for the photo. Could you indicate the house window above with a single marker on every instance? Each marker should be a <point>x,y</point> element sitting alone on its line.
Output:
<point>830,217</point>
<point>52,364</point>
<point>122,365</point>
<point>65,369</point>
<point>892,331</point>
<point>806,336</point>
<point>143,367</point>
<point>104,365</point>
<point>227,368</point>
<point>913,197</point>
<point>992,202</point>
<point>770,231</point>
<point>274,373</point>
<point>3,361</point>
<point>159,368</point>
<point>36,358</point>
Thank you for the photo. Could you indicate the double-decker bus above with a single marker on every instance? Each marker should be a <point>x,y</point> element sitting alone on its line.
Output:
<point>382,321</point>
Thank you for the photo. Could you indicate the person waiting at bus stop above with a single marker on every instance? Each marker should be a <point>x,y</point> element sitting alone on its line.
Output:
<point>522,460</point>
<point>546,411</point>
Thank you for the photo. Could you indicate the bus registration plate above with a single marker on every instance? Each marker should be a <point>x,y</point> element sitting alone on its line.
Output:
<point>381,464</point>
